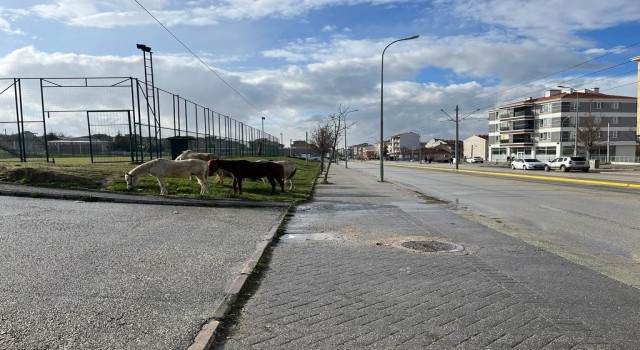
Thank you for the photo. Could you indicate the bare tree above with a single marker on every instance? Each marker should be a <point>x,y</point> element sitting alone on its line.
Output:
<point>322,139</point>
<point>589,133</point>
<point>327,135</point>
<point>338,122</point>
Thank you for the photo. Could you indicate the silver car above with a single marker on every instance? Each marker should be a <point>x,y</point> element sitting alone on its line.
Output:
<point>527,164</point>
<point>565,164</point>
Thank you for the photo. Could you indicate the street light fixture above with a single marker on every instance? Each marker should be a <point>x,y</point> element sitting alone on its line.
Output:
<point>382,104</point>
<point>575,142</point>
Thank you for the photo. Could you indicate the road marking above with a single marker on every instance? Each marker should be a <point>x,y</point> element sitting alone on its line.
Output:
<point>527,176</point>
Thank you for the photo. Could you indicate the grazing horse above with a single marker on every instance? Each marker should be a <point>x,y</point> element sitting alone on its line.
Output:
<point>189,154</point>
<point>242,169</point>
<point>161,168</point>
<point>290,170</point>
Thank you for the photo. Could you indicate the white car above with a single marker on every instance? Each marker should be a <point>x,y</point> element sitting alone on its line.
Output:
<point>475,160</point>
<point>568,163</point>
<point>527,164</point>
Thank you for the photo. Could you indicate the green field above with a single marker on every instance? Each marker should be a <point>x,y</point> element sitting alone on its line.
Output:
<point>80,173</point>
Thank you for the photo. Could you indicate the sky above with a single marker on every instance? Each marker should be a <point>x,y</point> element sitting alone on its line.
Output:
<point>296,62</point>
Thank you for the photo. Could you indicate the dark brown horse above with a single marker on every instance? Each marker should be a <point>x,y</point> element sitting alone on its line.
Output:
<point>244,169</point>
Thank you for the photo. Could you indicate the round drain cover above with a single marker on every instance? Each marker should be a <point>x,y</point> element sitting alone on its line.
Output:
<point>431,246</point>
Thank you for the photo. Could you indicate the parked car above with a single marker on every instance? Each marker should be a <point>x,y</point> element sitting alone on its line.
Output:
<point>475,160</point>
<point>568,163</point>
<point>527,164</point>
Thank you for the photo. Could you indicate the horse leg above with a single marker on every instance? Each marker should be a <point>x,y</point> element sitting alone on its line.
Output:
<point>204,184</point>
<point>272,181</point>
<point>239,181</point>
<point>235,184</point>
<point>163,186</point>
<point>220,177</point>
<point>281,182</point>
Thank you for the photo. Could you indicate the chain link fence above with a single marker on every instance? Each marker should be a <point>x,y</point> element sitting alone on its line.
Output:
<point>111,119</point>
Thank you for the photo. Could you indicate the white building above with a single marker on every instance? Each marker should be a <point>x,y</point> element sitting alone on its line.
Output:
<point>545,127</point>
<point>475,146</point>
<point>402,145</point>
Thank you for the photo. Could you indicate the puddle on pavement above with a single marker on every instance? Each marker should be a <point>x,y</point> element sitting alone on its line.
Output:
<point>306,237</point>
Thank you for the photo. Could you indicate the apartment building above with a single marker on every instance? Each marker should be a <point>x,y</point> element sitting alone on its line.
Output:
<point>400,146</point>
<point>545,127</point>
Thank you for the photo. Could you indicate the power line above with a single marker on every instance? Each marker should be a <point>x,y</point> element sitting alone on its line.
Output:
<point>208,67</point>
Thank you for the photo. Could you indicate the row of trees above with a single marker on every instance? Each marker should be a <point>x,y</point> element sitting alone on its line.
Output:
<point>327,134</point>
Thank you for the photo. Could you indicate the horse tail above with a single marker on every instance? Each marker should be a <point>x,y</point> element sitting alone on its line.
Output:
<point>295,168</point>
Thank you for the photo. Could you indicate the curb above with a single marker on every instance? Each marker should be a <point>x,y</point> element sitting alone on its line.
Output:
<point>111,197</point>
<point>205,338</point>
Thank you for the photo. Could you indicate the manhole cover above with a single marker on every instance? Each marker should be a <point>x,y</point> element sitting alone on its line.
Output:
<point>431,246</point>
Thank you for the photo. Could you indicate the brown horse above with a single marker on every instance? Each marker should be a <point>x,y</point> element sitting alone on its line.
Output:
<point>242,169</point>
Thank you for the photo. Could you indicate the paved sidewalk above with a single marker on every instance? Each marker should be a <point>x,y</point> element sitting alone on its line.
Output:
<point>340,279</point>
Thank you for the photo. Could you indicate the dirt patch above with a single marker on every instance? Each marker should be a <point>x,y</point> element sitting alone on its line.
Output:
<point>48,178</point>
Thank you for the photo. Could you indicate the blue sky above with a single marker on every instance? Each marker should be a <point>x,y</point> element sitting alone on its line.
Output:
<point>298,61</point>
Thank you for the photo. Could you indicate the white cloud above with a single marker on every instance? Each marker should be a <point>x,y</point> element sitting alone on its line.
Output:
<point>305,78</point>
<point>121,13</point>
<point>7,18</point>
<point>549,21</point>
<point>328,28</point>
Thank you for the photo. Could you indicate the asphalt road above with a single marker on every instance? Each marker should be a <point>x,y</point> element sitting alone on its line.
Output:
<point>593,224</point>
<point>97,275</point>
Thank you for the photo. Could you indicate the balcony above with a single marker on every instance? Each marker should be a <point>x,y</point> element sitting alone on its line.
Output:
<point>522,114</point>
<point>518,140</point>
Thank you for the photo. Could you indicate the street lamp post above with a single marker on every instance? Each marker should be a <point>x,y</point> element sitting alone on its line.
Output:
<point>382,104</point>
<point>575,142</point>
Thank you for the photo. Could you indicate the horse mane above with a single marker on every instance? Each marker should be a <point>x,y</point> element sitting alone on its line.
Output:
<point>141,169</point>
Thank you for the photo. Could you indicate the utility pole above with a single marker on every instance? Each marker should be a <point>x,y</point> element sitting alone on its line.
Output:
<point>457,158</point>
<point>456,155</point>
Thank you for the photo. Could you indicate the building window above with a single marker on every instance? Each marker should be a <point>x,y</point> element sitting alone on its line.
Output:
<point>598,105</point>
<point>545,136</point>
<point>544,108</point>
<point>546,122</point>
<point>615,105</point>
<point>615,120</point>
<point>615,134</point>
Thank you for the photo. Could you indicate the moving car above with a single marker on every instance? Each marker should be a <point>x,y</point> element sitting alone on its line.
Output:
<point>475,160</point>
<point>527,164</point>
<point>568,163</point>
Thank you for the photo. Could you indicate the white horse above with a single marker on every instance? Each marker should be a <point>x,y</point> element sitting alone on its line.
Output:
<point>161,168</point>
<point>189,154</point>
<point>290,170</point>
